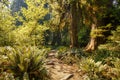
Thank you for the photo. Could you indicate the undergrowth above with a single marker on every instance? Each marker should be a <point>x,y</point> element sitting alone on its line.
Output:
<point>23,63</point>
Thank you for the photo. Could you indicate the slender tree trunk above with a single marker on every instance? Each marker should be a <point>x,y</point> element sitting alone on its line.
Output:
<point>92,44</point>
<point>74,24</point>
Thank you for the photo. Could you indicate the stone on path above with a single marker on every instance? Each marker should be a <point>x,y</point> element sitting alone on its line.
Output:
<point>51,55</point>
<point>50,63</point>
<point>67,77</point>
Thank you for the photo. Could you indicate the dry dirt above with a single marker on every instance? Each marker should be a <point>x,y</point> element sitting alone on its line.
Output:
<point>60,71</point>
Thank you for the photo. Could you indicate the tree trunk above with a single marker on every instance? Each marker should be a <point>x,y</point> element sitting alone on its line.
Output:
<point>92,44</point>
<point>74,24</point>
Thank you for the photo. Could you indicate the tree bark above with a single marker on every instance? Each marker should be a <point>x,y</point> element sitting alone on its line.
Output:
<point>92,44</point>
<point>74,24</point>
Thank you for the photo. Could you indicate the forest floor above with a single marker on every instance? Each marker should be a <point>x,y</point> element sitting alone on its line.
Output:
<point>60,71</point>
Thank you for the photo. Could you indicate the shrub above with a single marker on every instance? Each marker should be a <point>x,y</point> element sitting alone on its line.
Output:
<point>27,61</point>
<point>98,71</point>
<point>102,54</point>
<point>113,41</point>
<point>69,56</point>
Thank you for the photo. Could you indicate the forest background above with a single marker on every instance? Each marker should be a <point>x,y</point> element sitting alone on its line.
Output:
<point>86,28</point>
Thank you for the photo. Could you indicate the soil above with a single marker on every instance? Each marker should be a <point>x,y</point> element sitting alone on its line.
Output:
<point>60,71</point>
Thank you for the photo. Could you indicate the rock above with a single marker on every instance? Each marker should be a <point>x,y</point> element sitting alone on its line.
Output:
<point>50,63</point>
<point>54,60</point>
<point>66,71</point>
<point>51,54</point>
<point>67,77</point>
<point>79,70</point>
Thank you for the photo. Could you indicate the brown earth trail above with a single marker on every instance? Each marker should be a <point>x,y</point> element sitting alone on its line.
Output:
<point>60,71</point>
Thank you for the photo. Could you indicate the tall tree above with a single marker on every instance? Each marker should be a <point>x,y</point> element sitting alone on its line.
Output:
<point>74,24</point>
<point>69,13</point>
<point>59,12</point>
<point>95,10</point>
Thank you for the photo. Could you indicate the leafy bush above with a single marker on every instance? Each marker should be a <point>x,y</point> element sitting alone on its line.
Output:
<point>98,71</point>
<point>31,31</point>
<point>26,60</point>
<point>102,64</point>
<point>113,41</point>
<point>102,54</point>
<point>3,59</point>
<point>61,51</point>
<point>69,56</point>
<point>6,76</point>
<point>9,76</point>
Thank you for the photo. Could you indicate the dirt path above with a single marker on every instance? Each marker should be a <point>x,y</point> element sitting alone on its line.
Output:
<point>60,71</point>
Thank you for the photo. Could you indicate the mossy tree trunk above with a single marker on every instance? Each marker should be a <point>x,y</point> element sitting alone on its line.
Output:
<point>92,44</point>
<point>74,25</point>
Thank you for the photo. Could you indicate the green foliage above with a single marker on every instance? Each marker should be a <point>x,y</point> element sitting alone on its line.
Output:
<point>6,25</point>
<point>27,63</point>
<point>31,31</point>
<point>83,36</point>
<point>102,54</point>
<point>26,60</point>
<point>102,64</point>
<point>99,32</point>
<point>116,36</point>
<point>7,76</point>
<point>113,41</point>
<point>61,52</point>
<point>69,56</point>
<point>98,71</point>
